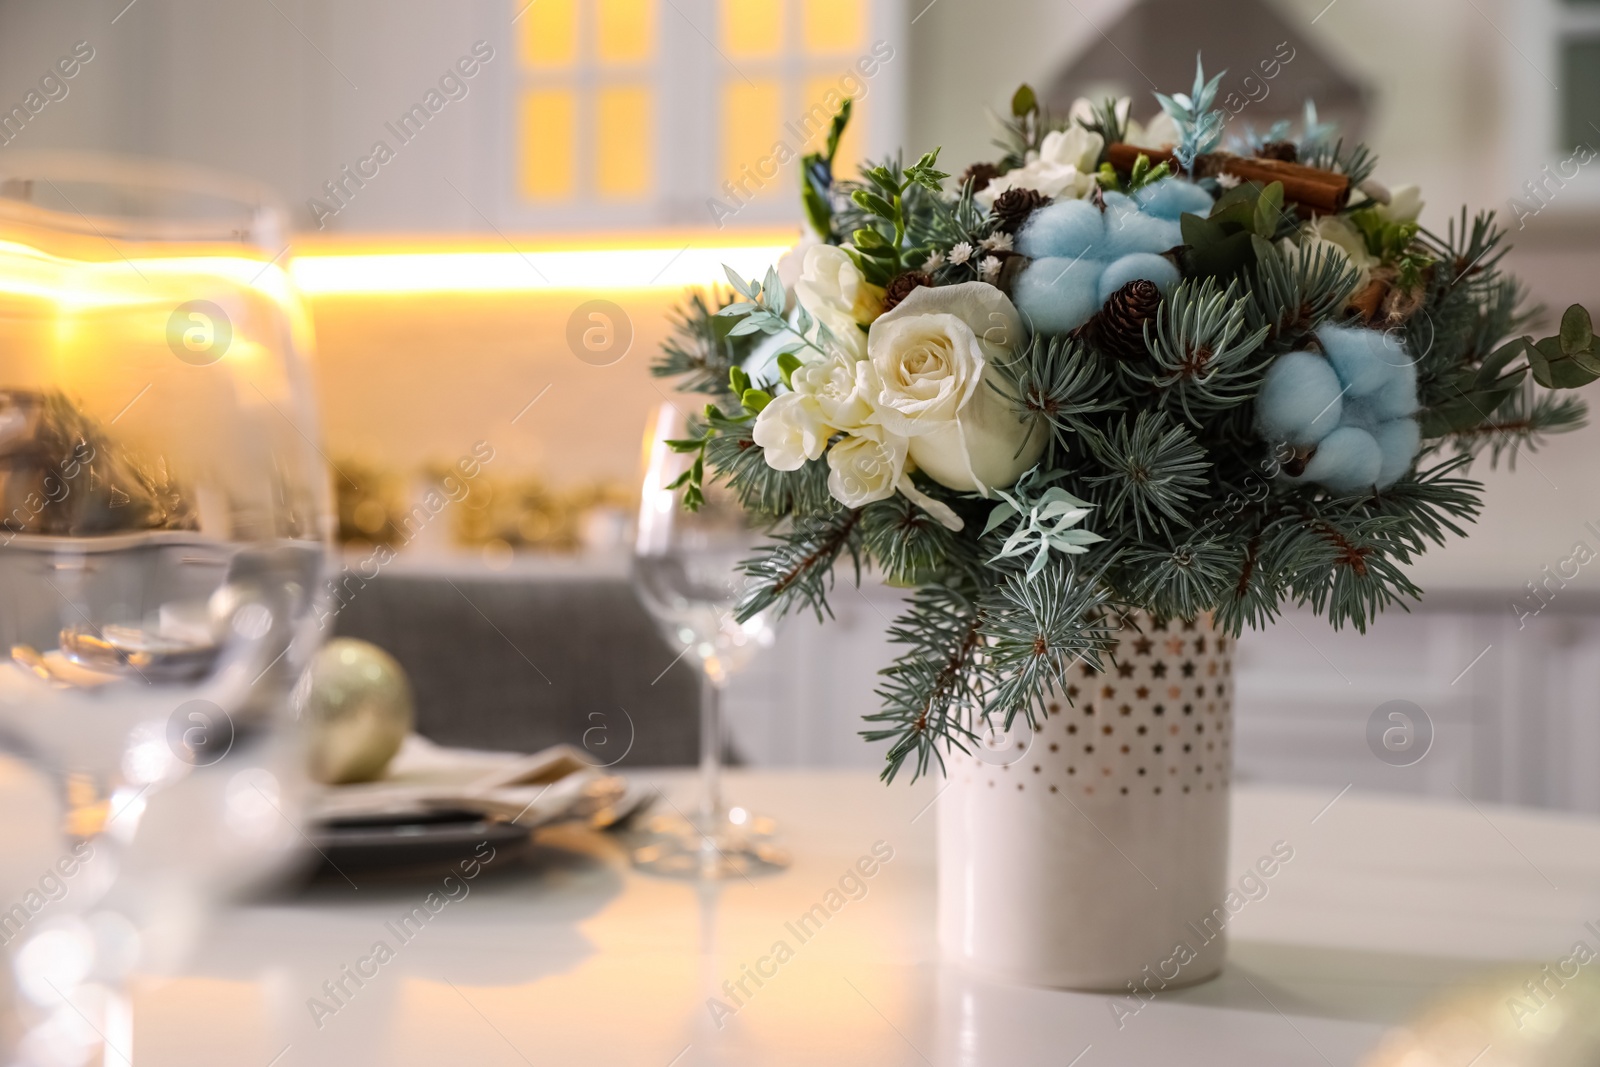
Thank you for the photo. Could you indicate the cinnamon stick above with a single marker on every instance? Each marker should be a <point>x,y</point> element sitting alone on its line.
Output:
<point>1320,192</point>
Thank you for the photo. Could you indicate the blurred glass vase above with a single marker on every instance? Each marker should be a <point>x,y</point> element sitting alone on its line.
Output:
<point>164,529</point>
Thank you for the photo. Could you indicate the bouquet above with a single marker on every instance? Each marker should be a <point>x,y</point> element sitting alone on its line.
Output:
<point>1120,369</point>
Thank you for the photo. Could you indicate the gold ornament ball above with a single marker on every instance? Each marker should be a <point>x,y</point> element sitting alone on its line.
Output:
<point>358,708</point>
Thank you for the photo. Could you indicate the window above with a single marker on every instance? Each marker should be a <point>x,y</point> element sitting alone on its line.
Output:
<point>632,113</point>
<point>1579,76</point>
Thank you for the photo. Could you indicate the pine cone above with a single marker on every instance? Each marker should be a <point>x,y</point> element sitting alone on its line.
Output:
<point>980,175</point>
<point>1119,326</point>
<point>1014,206</point>
<point>900,287</point>
<point>1283,151</point>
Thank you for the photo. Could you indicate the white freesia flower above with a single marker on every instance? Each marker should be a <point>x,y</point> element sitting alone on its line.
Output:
<point>832,288</point>
<point>1160,132</point>
<point>1063,166</point>
<point>842,388</point>
<point>791,430</point>
<point>935,357</point>
<point>1405,204</point>
<point>866,467</point>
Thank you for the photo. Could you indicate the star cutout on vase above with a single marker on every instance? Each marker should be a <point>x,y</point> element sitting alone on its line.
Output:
<point>1200,645</point>
<point>1088,671</point>
<point>1158,669</point>
<point>1125,670</point>
<point>1108,692</point>
<point>1188,669</point>
<point>1143,646</point>
<point>1072,692</point>
<point>1175,646</point>
<point>1143,692</point>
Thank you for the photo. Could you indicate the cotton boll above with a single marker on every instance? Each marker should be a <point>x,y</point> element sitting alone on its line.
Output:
<point>1057,295</point>
<point>1348,460</point>
<point>1364,359</point>
<point>1067,228</point>
<point>1360,413</point>
<point>1299,401</point>
<point>1173,197</point>
<point>1134,232</point>
<point>1139,265</point>
<point>1398,396</point>
<point>1120,203</point>
<point>1398,440</point>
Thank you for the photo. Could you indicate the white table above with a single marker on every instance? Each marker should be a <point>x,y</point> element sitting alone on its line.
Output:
<point>583,961</point>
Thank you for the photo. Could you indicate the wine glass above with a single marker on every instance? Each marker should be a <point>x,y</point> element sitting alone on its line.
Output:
<point>686,572</point>
<point>164,525</point>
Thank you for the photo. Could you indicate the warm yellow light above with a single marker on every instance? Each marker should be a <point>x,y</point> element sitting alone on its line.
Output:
<point>624,141</point>
<point>579,269</point>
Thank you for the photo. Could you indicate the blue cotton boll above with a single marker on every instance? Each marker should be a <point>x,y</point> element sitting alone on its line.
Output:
<point>1362,358</point>
<point>1398,440</point>
<point>1133,232</point>
<point>1299,401</point>
<point>1120,203</point>
<point>1359,411</point>
<point>1139,265</point>
<point>1056,295</point>
<point>1171,197</point>
<point>1398,397</point>
<point>1066,228</point>
<point>1348,460</point>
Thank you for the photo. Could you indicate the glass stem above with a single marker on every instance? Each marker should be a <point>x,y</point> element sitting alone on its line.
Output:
<point>710,751</point>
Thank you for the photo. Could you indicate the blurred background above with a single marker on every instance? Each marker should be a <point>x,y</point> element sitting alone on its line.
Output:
<point>497,203</point>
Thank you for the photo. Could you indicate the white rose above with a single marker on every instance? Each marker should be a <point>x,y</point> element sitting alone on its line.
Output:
<point>842,388</point>
<point>934,357</point>
<point>865,468</point>
<point>791,430</point>
<point>1063,166</point>
<point>1331,232</point>
<point>835,292</point>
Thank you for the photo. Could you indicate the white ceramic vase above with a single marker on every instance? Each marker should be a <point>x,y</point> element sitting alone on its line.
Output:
<point>1092,854</point>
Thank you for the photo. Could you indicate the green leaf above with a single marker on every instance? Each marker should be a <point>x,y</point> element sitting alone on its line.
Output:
<point>1554,369</point>
<point>680,481</point>
<point>682,445</point>
<point>755,399</point>
<point>740,286</point>
<point>1023,101</point>
<point>738,380</point>
<point>1577,331</point>
<point>1269,210</point>
<point>1497,362</point>
<point>788,363</point>
<point>836,130</point>
<point>875,204</point>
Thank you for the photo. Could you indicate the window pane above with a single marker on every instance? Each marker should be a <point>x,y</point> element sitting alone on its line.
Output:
<point>823,96</point>
<point>752,29</point>
<point>626,30</point>
<point>751,115</point>
<point>833,25</point>
<point>546,168</point>
<point>549,33</point>
<point>1580,92</point>
<point>624,141</point>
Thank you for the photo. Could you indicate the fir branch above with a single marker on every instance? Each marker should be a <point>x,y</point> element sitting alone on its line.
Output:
<point>1200,350</point>
<point>1185,581</point>
<point>1155,469</point>
<point>932,690</point>
<point>909,545</point>
<point>1292,295</point>
<point>1035,630</point>
<point>741,464</point>
<point>1521,423</point>
<point>1061,381</point>
<point>1357,164</point>
<point>700,348</point>
<point>795,568</point>
<point>1200,124</point>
